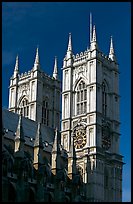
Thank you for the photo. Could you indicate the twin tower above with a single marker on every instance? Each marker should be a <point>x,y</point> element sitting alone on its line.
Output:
<point>90,118</point>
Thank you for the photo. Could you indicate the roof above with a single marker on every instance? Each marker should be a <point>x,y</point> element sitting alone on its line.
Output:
<point>10,123</point>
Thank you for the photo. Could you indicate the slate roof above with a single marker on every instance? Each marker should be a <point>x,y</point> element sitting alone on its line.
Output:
<point>10,122</point>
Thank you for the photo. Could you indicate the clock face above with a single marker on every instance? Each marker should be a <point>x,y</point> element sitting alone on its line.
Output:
<point>106,137</point>
<point>79,137</point>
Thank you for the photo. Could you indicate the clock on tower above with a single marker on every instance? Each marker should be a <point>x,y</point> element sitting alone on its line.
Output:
<point>79,136</point>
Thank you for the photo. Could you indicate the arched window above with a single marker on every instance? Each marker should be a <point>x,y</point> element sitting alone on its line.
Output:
<point>81,98</point>
<point>24,108</point>
<point>104,99</point>
<point>45,113</point>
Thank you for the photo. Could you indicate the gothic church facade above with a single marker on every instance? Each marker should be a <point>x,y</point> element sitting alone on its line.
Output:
<point>83,158</point>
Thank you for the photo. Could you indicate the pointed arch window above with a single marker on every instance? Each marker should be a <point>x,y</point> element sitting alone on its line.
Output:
<point>24,108</point>
<point>104,99</point>
<point>45,113</point>
<point>81,98</point>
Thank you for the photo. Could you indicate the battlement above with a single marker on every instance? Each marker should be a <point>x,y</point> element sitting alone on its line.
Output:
<point>81,56</point>
<point>105,59</point>
<point>28,74</point>
<point>103,56</point>
<point>87,55</point>
<point>43,74</point>
<point>24,75</point>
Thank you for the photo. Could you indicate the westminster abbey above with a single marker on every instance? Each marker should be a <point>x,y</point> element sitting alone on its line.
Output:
<point>79,160</point>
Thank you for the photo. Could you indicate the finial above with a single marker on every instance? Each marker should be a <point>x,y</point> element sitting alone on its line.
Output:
<point>19,132</point>
<point>19,139</point>
<point>111,52</point>
<point>90,27</point>
<point>38,139</point>
<point>56,145</point>
<point>94,34</point>
<point>16,64</point>
<point>55,72</point>
<point>16,69</point>
<point>70,43</point>
<point>111,45</point>
<point>37,56</point>
<point>93,44</point>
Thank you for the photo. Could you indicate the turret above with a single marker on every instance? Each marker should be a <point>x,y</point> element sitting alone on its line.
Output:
<point>19,138</point>
<point>38,148</point>
<point>111,52</point>
<point>55,72</point>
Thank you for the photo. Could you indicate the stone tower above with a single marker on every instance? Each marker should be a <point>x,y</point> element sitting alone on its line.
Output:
<point>35,94</point>
<point>90,118</point>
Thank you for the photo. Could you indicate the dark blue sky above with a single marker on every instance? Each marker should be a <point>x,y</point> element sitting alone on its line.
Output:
<point>25,25</point>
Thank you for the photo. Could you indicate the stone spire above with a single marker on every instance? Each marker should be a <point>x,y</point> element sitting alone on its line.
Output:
<point>56,153</point>
<point>69,54</point>
<point>90,27</point>
<point>55,72</point>
<point>19,138</point>
<point>70,43</point>
<point>16,69</point>
<point>56,147</point>
<point>37,61</point>
<point>37,57</point>
<point>111,52</point>
<point>94,40</point>
<point>94,34</point>
<point>16,65</point>
<point>38,140</point>
<point>38,148</point>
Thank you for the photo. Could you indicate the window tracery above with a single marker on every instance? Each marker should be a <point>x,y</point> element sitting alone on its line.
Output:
<point>81,99</point>
<point>24,108</point>
<point>45,113</point>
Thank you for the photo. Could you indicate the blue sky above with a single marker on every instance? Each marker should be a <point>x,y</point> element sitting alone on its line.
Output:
<point>26,25</point>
